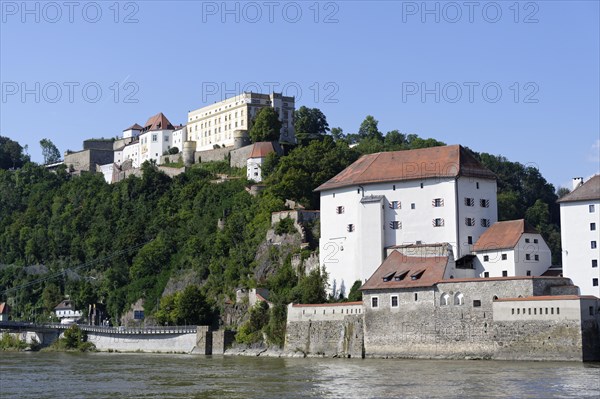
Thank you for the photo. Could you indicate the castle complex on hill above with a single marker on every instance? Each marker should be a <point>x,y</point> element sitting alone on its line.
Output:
<point>212,133</point>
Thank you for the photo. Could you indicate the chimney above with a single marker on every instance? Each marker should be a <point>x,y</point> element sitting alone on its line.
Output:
<point>577,181</point>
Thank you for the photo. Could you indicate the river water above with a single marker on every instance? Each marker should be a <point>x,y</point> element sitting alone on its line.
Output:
<point>110,375</point>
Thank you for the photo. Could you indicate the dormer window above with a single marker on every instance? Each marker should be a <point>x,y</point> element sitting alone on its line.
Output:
<point>388,277</point>
<point>417,275</point>
<point>400,276</point>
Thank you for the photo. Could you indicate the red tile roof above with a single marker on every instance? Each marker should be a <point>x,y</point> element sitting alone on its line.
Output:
<point>546,298</point>
<point>4,308</point>
<point>135,126</point>
<point>590,190</point>
<point>503,235</point>
<point>477,279</point>
<point>158,122</point>
<point>261,149</point>
<point>397,264</point>
<point>434,162</point>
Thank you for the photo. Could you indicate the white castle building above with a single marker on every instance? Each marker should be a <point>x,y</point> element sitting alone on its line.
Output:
<point>580,220</point>
<point>430,195</point>
<point>215,124</point>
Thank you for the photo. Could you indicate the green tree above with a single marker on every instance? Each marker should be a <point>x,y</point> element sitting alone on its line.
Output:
<point>337,133</point>
<point>368,129</point>
<point>266,126</point>
<point>11,154</point>
<point>310,120</point>
<point>192,307</point>
<point>50,152</point>
<point>394,139</point>
<point>355,294</point>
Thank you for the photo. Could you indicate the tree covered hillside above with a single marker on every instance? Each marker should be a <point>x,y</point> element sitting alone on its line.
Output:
<point>115,244</point>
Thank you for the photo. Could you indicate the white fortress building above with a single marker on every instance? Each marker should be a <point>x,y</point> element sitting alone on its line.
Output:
<point>424,196</point>
<point>580,221</point>
<point>215,124</point>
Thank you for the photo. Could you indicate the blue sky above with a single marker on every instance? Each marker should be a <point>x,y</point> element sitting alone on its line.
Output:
<point>520,79</point>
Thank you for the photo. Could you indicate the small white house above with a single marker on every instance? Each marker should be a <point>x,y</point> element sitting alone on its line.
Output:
<point>66,312</point>
<point>511,248</point>
<point>256,159</point>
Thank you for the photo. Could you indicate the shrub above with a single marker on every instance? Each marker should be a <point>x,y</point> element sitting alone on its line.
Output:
<point>285,226</point>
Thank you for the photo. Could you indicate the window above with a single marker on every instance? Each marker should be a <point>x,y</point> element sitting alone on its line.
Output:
<point>595,282</point>
<point>459,299</point>
<point>394,187</point>
<point>594,262</point>
<point>421,185</point>
<point>592,226</point>
<point>485,222</point>
<point>339,210</point>
<point>486,258</point>
<point>504,273</point>
<point>395,205</point>
<point>504,256</point>
<point>416,296</point>
<point>138,314</point>
<point>591,310</point>
<point>412,206</point>
<point>167,139</point>
<point>527,240</point>
<point>437,202</point>
<point>593,244</point>
<point>445,299</point>
<point>395,225</point>
<point>470,221</point>
<point>484,203</point>
<point>154,138</point>
<point>358,191</point>
<point>350,228</point>
<point>477,185</point>
<point>528,272</point>
<point>476,303</point>
<point>536,257</point>
<point>394,301</point>
<point>535,240</point>
<point>469,240</point>
<point>374,302</point>
<point>469,202</point>
<point>527,257</point>
<point>486,274</point>
<point>438,222</point>
<point>592,209</point>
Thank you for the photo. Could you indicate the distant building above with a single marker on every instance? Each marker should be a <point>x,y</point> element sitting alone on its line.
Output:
<point>4,311</point>
<point>256,159</point>
<point>215,124</point>
<point>511,248</point>
<point>66,312</point>
<point>430,195</point>
<point>580,223</point>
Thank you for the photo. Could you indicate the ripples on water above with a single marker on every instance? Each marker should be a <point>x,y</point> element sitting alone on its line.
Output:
<point>102,375</point>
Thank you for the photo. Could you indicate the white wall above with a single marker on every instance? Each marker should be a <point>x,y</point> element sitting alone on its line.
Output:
<point>151,149</point>
<point>132,151</point>
<point>576,238</point>
<point>329,312</point>
<point>467,188</point>
<point>254,169</point>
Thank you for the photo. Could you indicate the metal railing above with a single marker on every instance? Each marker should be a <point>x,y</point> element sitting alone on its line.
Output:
<point>100,329</point>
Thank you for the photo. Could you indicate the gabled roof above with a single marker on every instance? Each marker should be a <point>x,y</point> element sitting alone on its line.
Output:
<point>4,308</point>
<point>65,305</point>
<point>158,122</point>
<point>435,162</point>
<point>135,126</point>
<point>503,235</point>
<point>428,270</point>
<point>261,149</point>
<point>590,190</point>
